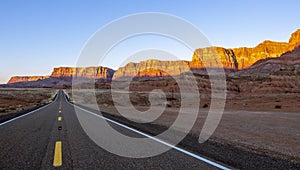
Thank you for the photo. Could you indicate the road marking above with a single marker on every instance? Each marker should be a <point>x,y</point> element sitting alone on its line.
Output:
<point>156,139</point>
<point>59,118</point>
<point>18,117</point>
<point>59,128</point>
<point>59,111</point>
<point>57,161</point>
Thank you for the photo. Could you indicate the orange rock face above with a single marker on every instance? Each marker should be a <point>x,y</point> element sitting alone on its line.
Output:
<point>267,49</point>
<point>240,58</point>
<point>214,57</point>
<point>152,68</point>
<point>286,64</point>
<point>83,72</point>
<point>294,40</point>
<point>235,59</point>
<point>63,72</point>
<point>17,79</point>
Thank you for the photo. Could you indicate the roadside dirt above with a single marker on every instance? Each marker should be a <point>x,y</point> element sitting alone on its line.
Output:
<point>14,102</point>
<point>251,127</point>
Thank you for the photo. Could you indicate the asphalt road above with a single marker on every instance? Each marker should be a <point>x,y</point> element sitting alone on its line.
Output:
<point>52,138</point>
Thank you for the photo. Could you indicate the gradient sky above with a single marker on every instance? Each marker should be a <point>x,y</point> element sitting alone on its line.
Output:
<point>36,36</point>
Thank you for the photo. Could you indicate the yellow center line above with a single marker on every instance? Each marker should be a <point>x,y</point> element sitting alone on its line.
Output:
<point>57,161</point>
<point>59,118</point>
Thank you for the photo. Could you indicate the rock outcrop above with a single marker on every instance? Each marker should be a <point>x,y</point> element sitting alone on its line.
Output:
<point>16,79</point>
<point>208,57</point>
<point>294,41</point>
<point>83,72</point>
<point>244,57</point>
<point>232,59</point>
<point>65,74</point>
<point>152,68</point>
<point>287,64</point>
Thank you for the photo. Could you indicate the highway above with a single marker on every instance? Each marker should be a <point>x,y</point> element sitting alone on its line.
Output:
<point>52,138</point>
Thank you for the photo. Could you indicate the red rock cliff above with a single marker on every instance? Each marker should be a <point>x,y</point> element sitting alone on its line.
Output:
<point>83,72</point>
<point>17,79</point>
<point>240,58</point>
<point>206,57</point>
<point>294,40</point>
<point>235,58</point>
<point>152,68</point>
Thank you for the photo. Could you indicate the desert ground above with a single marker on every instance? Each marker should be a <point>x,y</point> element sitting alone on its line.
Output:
<point>261,115</point>
<point>14,101</point>
<point>256,121</point>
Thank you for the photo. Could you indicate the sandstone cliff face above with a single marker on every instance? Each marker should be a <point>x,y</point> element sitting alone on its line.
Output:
<point>207,57</point>
<point>287,64</point>
<point>152,68</point>
<point>267,49</point>
<point>83,72</point>
<point>240,58</point>
<point>17,79</point>
<point>235,59</point>
<point>69,72</point>
<point>294,40</point>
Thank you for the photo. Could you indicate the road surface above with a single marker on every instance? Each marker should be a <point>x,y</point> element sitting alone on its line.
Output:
<point>52,138</point>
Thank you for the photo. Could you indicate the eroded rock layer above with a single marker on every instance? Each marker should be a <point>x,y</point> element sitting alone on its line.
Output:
<point>16,79</point>
<point>83,72</point>
<point>152,68</point>
<point>243,57</point>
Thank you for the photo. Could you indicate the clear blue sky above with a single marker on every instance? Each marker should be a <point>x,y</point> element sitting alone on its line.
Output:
<point>36,36</point>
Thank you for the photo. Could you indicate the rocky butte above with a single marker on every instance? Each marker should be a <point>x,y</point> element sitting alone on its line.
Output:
<point>244,57</point>
<point>69,72</point>
<point>83,72</point>
<point>287,64</point>
<point>231,59</point>
<point>152,68</point>
<point>16,79</point>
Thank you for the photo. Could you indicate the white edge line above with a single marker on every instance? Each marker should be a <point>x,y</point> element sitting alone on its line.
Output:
<point>26,114</point>
<point>155,139</point>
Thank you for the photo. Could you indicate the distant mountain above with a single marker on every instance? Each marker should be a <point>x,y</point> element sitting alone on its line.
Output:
<point>268,57</point>
<point>44,83</point>
<point>232,60</point>
<point>152,68</point>
<point>66,72</point>
<point>16,79</point>
<point>54,82</point>
<point>62,76</point>
<point>98,72</point>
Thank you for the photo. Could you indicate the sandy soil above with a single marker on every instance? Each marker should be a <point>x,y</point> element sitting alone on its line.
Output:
<point>254,123</point>
<point>18,100</point>
<point>274,133</point>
